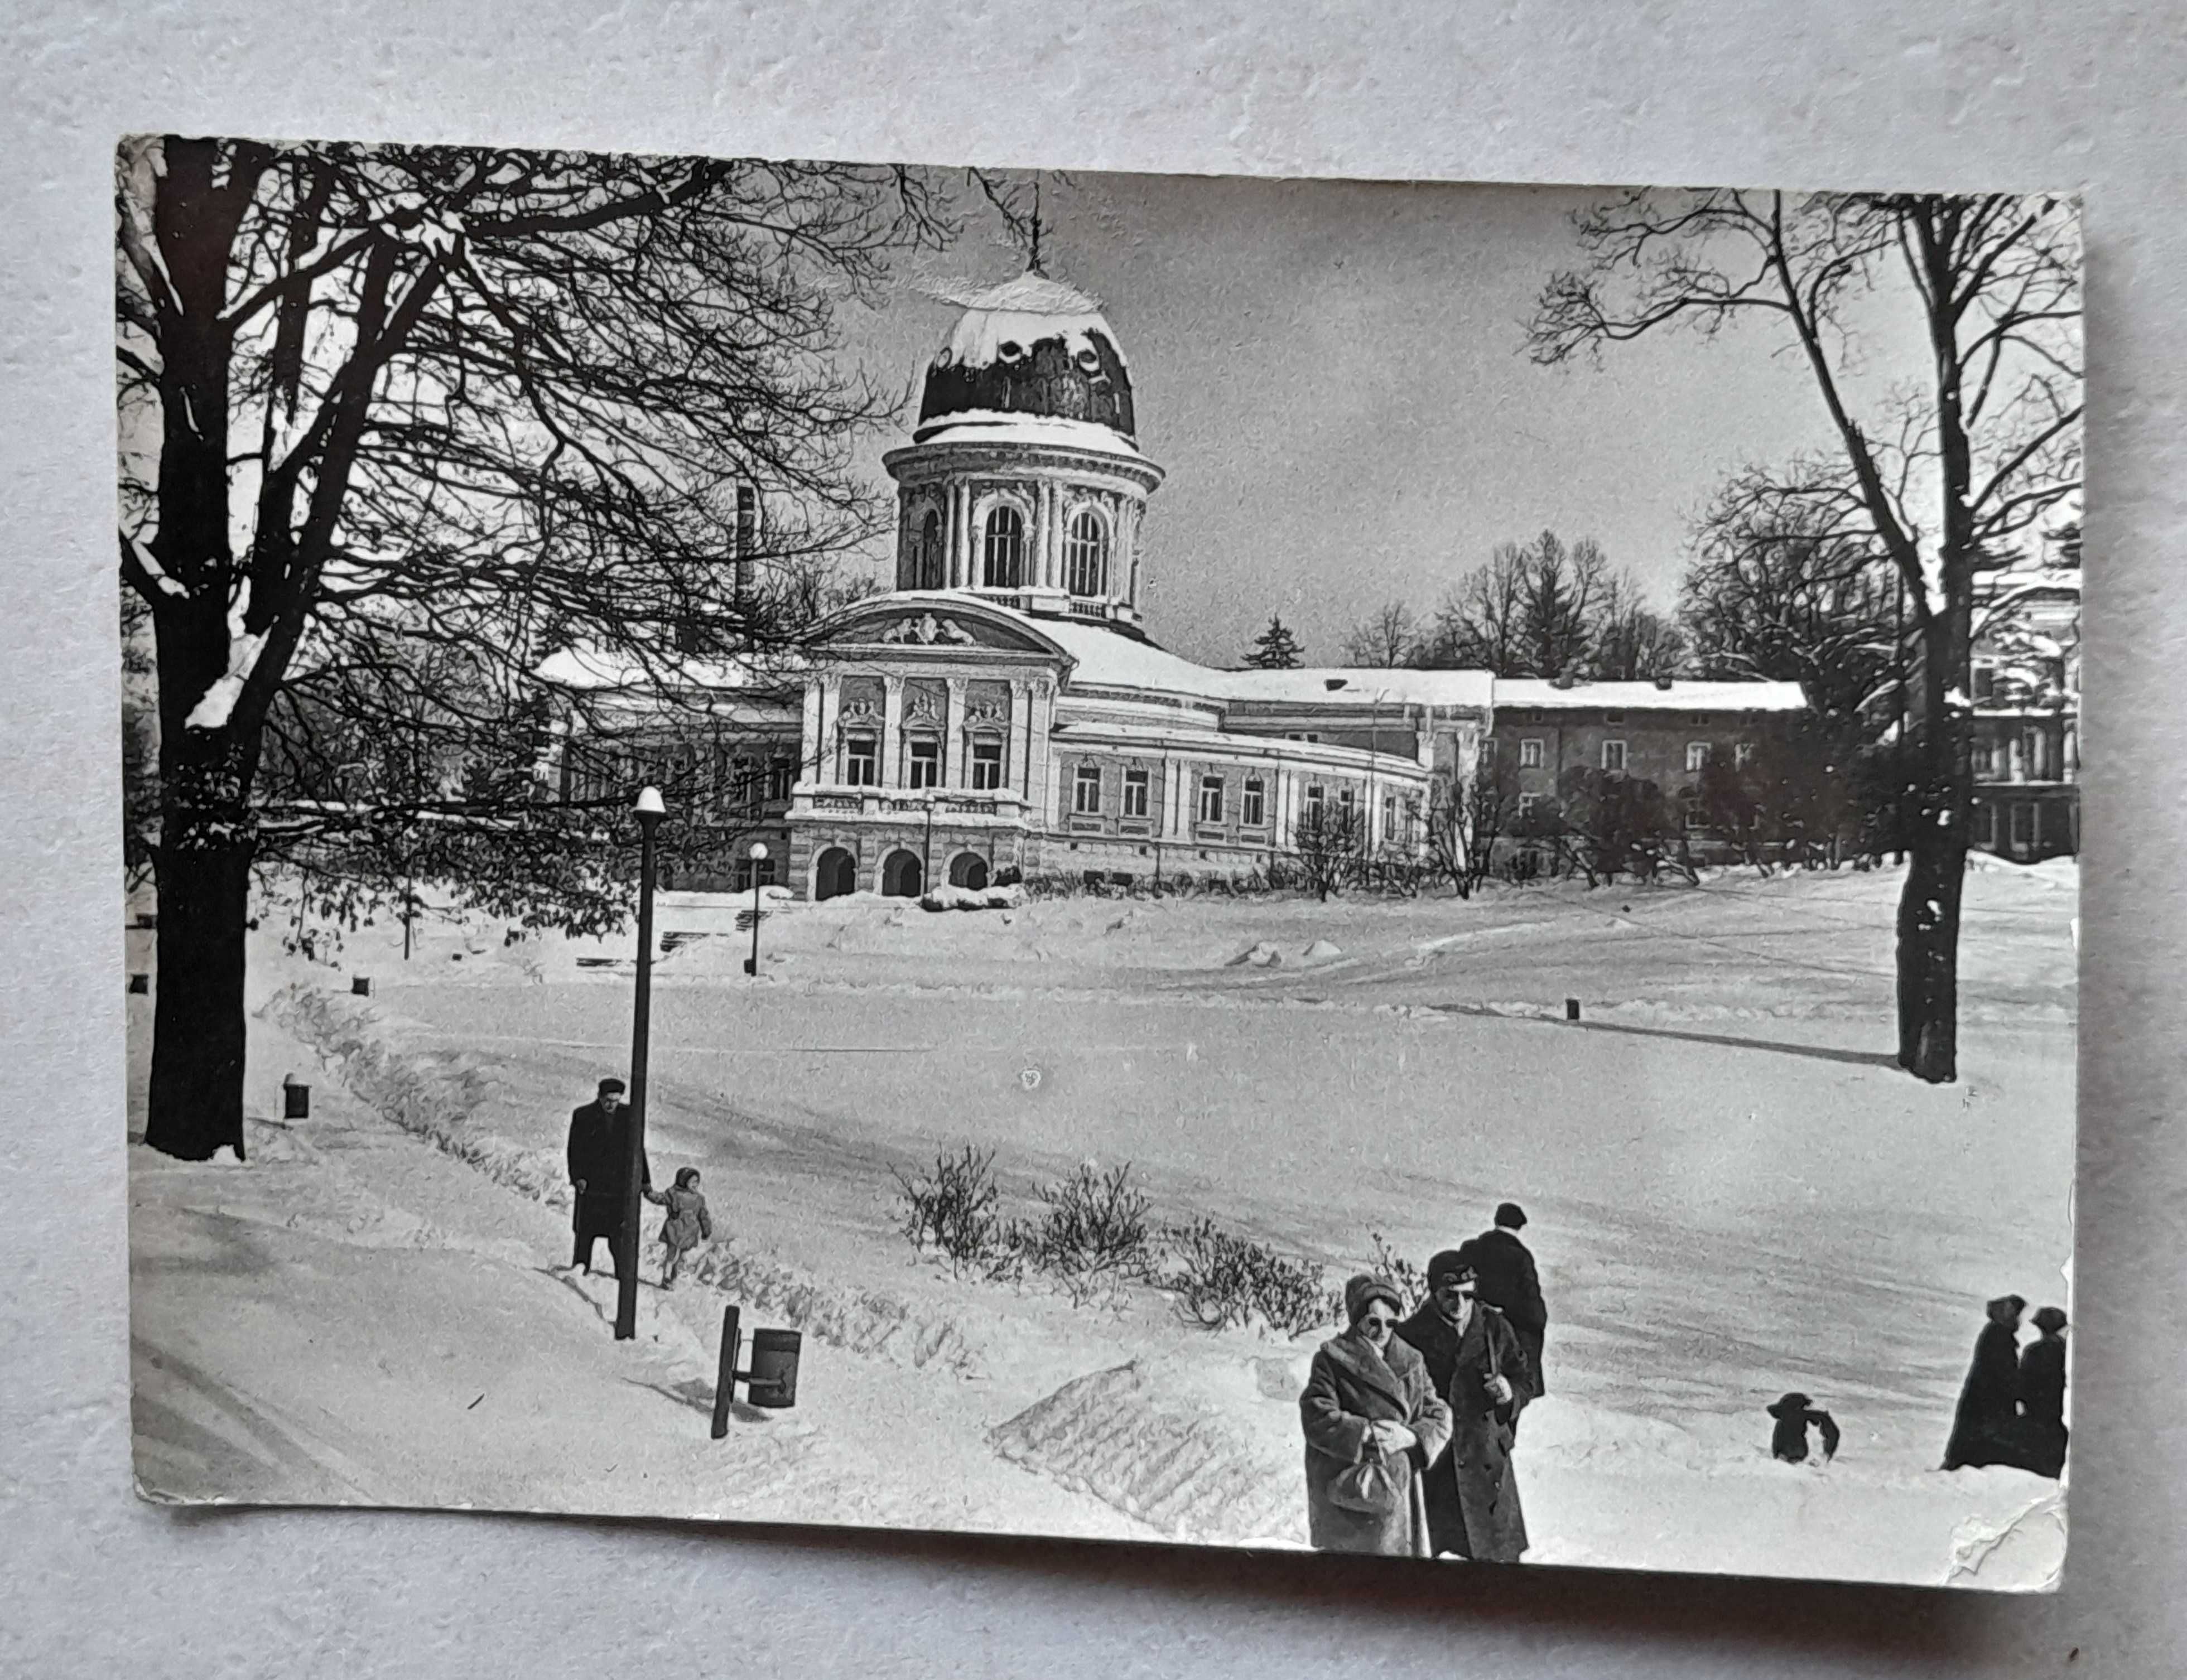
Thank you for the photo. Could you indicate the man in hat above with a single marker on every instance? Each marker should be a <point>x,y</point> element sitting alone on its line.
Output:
<point>599,1173</point>
<point>1509,1284</point>
<point>1479,1365</point>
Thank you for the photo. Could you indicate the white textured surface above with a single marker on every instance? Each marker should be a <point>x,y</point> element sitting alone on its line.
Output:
<point>1863,92</point>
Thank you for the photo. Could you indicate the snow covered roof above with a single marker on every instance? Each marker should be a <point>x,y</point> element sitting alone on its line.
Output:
<point>1679,696</point>
<point>988,425</point>
<point>1105,659</point>
<point>1030,348</point>
<point>596,669</point>
<point>1365,687</point>
<point>998,322</point>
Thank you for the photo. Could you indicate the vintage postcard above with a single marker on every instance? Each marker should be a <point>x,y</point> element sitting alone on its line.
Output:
<point>1381,868</point>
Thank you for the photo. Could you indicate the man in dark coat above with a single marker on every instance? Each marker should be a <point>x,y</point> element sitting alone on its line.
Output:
<point>1509,1284</point>
<point>2043,1396</point>
<point>1985,1430</point>
<point>599,1173</point>
<point>1479,1366</point>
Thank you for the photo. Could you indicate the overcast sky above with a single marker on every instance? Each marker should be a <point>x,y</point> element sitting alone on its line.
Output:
<point>1334,376</point>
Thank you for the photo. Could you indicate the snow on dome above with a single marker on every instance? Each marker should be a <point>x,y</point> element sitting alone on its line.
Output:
<point>1032,346</point>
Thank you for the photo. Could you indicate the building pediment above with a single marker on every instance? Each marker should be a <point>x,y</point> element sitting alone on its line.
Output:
<point>913,623</point>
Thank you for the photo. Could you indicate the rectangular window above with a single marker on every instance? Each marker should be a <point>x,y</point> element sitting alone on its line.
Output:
<point>1696,755</point>
<point>925,763</point>
<point>2023,825</point>
<point>2031,747</point>
<point>1530,754</point>
<point>1135,793</point>
<point>743,873</point>
<point>1985,683</point>
<point>1389,817</point>
<point>1986,820</point>
<point>862,758</point>
<point>780,776</point>
<point>1695,819</point>
<point>1085,791</point>
<point>1315,795</point>
<point>1526,804</point>
<point>1613,755</point>
<point>1256,813</point>
<point>987,766</point>
<point>745,785</point>
<point>1211,798</point>
<point>1742,755</point>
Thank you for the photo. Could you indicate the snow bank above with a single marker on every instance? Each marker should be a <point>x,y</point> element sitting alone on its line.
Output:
<point>433,1094</point>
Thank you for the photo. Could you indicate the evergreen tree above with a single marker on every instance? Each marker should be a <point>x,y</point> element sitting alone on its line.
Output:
<point>1275,649</point>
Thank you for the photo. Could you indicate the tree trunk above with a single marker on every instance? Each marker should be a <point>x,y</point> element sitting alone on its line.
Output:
<point>1928,952</point>
<point>195,1103</point>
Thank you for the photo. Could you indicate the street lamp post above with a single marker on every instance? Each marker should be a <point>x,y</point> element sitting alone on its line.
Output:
<point>650,810</point>
<point>758,856</point>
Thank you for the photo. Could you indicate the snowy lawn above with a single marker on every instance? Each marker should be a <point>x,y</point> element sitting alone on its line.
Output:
<point>1732,1191</point>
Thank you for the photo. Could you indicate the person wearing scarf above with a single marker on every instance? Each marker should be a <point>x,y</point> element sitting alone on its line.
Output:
<point>1373,1423</point>
<point>1479,1366</point>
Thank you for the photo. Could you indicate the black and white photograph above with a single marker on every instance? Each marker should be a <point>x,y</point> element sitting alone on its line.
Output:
<point>1310,864</point>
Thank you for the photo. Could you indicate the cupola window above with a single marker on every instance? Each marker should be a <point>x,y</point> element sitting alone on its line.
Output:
<point>1004,557</point>
<point>1086,556</point>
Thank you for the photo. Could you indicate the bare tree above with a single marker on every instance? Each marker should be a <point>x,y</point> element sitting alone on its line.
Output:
<point>1468,818</point>
<point>1387,637</point>
<point>1946,480</point>
<point>383,403</point>
<point>1532,611</point>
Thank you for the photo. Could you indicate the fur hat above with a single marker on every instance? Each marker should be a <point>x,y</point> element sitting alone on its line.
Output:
<point>1510,1216</point>
<point>613,1085</point>
<point>2049,1319</point>
<point>1368,1287</point>
<point>1456,1262</point>
<point>1790,1406</point>
<point>2006,1308</point>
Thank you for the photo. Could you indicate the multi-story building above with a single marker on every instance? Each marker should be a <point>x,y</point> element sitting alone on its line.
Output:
<point>2026,701</point>
<point>1002,709</point>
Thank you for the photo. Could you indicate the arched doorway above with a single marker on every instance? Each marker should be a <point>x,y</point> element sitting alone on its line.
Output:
<point>835,874</point>
<point>900,875</point>
<point>968,869</point>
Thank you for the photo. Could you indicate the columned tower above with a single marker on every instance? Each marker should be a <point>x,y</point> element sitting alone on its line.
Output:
<point>1023,481</point>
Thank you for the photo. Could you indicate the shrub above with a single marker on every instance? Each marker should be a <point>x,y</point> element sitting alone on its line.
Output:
<point>953,1210</point>
<point>1411,1281</point>
<point>1091,1236</point>
<point>1221,1279</point>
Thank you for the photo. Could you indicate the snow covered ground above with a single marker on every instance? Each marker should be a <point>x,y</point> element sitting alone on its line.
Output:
<point>1732,1193</point>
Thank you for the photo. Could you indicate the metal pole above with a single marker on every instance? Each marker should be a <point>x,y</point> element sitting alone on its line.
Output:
<point>754,956</point>
<point>625,1324</point>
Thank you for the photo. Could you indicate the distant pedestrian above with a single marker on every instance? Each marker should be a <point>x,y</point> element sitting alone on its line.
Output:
<point>1373,1423</point>
<point>1985,1427</point>
<point>1788,1442</point>
<point>687,1224</point>
<point>1479,1366</point>
<point>599,1174</point>
<point>1509,1284</point>
<point>2043,1396</point>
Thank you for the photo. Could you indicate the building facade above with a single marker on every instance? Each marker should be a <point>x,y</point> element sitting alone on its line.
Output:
<point>1001,711</point>
<point>2027,700</point>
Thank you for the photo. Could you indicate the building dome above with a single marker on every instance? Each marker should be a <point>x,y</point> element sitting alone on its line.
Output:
<point>1031,349</point>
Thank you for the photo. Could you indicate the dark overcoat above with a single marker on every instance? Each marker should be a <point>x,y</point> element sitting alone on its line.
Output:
<point>2043,1402</point>
<point>1986,1428</point>
<point>1473,1490</point>
<point>599,1159</point>
<point>1508,1281</point>
<point>1350,1386</point>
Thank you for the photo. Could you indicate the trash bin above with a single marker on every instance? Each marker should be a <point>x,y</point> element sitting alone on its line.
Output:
<point>774,1378</point>
<point>295,1100</point>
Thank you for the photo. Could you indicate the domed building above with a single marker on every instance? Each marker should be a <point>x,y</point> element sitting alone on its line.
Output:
<point>1002,711</point>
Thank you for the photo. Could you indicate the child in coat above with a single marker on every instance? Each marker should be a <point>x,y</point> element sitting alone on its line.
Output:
<point>687,1224</point>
